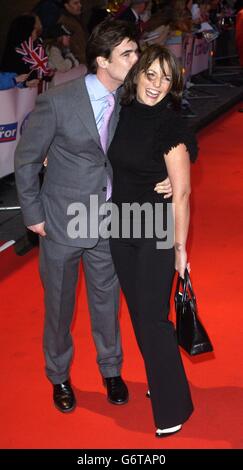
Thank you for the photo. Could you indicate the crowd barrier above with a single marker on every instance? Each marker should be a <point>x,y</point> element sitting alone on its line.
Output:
<point>62,77</point>
<point>16,105</point>
<point>194,52</point>
<point>196,55</point>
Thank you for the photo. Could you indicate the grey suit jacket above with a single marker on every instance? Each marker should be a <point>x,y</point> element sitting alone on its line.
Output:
<point>62,126</point>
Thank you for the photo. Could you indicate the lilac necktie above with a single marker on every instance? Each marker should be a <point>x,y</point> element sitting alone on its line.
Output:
<point>104,134</point>
<point>106,118</point>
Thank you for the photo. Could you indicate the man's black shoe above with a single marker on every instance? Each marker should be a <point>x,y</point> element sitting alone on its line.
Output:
<point>63,396</point>
<point>117,391</point>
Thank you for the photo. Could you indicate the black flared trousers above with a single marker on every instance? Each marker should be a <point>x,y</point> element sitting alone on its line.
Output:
<point>146,275</point>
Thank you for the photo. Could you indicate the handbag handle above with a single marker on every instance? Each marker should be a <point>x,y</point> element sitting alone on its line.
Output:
<point>189,284</point>
<point>186,286</point>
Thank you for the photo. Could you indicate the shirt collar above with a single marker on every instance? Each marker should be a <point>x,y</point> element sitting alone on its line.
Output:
<point>96,89</point>
<point>135,13</point>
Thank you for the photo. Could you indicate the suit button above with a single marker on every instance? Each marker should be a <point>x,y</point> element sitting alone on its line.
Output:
<point>105,164</point>
<point>104,189</point>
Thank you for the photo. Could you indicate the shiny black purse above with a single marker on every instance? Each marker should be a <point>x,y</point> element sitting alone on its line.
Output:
<point>191,334</point>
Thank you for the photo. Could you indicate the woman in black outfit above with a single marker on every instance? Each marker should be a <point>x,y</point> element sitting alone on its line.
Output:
<point>152,142</point>
<point>21,29</point>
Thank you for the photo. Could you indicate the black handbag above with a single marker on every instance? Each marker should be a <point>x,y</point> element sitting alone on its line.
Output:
<point>191,334</point>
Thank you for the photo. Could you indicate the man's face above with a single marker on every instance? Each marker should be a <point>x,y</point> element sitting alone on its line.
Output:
<point>74,7</point>
<point>141,7</point>
<point>123,57</point>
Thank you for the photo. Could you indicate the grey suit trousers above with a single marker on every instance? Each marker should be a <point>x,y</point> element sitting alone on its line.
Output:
<point>59,269</point>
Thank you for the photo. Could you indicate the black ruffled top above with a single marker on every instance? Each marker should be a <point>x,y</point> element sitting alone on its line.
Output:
<point>143,136</point>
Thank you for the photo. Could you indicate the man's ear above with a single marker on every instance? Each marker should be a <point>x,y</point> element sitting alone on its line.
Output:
<point>102,62</point>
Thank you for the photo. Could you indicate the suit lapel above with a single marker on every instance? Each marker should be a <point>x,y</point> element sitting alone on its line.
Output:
<point>85,111</point>
<point>86,115</point>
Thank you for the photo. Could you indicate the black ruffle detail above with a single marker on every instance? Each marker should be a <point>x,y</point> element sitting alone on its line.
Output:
<point>170,128</point>
<point>174,131</point>
<point>143,111</point>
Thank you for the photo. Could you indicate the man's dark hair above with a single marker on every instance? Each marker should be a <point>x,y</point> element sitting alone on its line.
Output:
<point>145,61</point>
<point>104,38</point>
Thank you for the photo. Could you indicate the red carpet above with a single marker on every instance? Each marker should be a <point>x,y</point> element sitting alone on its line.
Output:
<point>28,417</point>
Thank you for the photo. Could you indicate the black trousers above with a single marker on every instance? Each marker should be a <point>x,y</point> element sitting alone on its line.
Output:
<point>146,275</point>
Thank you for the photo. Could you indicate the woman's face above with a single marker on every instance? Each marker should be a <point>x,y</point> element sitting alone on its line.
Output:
<point>65,41</point>
<point>189,5</point>
<point>153,85</point>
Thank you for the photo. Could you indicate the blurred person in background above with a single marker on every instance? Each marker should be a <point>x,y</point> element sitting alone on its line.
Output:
<point>133,14</point>
<point>71,18</point>
<point>49,12</point>
<point>12,80</point>
<point>57,45</point>
<point>122,8</point>
<point>21,30</point>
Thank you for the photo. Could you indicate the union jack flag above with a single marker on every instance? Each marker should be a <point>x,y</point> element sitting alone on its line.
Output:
<point>36,57</point>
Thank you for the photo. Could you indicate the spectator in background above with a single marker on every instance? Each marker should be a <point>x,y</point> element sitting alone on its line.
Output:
<point>122,8</point>
<point>205,9</point>
<point>58,49</point>
<point>21,29</point>
<point>169,23</point>
<point>133,14</point>
<point>158,28</point>
<point>182,16</point>
<point>71,19</point>
<point>146,15</point>
<point>194,7</point>
<point>12,80</point>
<point>49,12</point>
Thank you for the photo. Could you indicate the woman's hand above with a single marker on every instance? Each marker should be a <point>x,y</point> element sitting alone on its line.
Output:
<point>21,78</point>
<point>164,187</point>
<point>32,83</point>
<point>181,260</point>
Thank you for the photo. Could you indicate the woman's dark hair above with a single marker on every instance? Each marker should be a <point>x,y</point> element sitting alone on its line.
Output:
<point>104,38</point>
<point>145,61</point>
<point>20,30</point>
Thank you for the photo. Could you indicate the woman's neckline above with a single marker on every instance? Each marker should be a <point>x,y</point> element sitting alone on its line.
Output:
<point>145,110</point>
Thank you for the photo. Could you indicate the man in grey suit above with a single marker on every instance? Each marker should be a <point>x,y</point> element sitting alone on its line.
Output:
<point>67,125</point>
